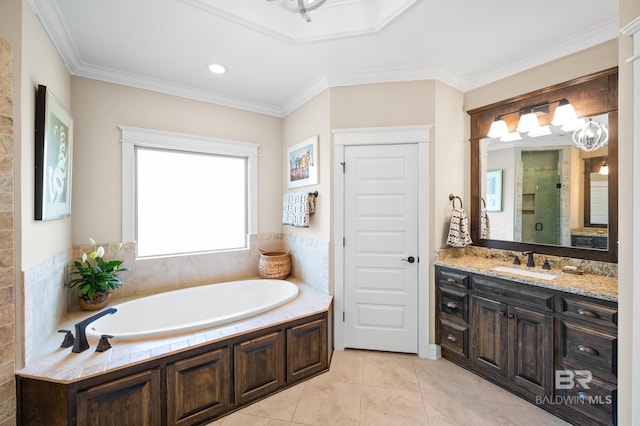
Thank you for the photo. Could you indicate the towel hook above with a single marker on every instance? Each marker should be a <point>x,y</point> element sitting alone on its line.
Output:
<point>484,204</point>
<point>452,198</point>
<point>314,193</point>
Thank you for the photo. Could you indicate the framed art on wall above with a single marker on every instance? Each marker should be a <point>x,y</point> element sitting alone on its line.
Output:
<point>53,143</point>
<point>494,190</point>
<point>303,163</point>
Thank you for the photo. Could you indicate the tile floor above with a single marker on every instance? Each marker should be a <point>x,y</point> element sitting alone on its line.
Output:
<point>379,388</point>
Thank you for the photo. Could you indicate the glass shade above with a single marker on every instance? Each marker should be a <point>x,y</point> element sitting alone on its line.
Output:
<point>564,115</point>
<point>540,131</point>
<point>528,122</point>
<point>498,129</point>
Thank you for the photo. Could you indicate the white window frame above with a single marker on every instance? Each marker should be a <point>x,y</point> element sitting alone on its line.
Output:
<point>133,137</point>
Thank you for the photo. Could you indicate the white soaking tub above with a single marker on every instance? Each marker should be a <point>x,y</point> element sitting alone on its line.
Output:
<point>193,308</point>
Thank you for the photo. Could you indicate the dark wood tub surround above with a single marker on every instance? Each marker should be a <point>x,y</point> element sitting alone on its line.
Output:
<point>518,335</point>
<point>188,387</point>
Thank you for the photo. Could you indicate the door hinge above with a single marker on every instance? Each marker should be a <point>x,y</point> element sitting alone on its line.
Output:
<point>343,316</point>
<point>344,242</point>
<point>343,166</point>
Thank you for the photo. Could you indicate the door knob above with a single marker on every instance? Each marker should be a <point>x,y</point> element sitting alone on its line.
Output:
<point>409,259</point>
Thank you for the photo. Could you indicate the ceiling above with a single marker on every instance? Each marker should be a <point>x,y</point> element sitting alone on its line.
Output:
<point>276,61</point>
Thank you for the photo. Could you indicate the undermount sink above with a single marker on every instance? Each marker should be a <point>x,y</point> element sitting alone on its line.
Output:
<point>543,275</point>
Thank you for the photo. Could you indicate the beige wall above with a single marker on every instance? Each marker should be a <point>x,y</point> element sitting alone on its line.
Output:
<point>628,343</point>
<point>98,109</point>
<point>311,119</point>
<point>40,64</point>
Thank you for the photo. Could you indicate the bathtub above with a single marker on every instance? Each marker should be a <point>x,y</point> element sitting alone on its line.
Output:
<point>193,308</point>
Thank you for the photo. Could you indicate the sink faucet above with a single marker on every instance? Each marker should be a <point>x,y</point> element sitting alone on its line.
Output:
<point>80,344</point>
<point>530,262</point>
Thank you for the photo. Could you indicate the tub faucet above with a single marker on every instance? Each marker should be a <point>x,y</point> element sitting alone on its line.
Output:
<point>81,343</point>
<point>530,262</point>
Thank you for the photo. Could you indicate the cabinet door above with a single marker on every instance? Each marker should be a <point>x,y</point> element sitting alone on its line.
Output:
<point>198,388</point>
<point>531,350</point>
<point>133,400</point>
<point>259,367</point>
<point>306,350</point>
<point>489,335</point>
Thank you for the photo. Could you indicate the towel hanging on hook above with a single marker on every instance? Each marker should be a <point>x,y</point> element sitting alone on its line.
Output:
<point>459,225</point>
<point>484,221</point>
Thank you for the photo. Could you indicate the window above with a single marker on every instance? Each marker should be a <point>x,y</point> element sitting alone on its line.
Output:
<point>186,194</point>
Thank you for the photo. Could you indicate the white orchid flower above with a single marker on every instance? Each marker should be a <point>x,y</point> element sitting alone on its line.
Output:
<point>92,241</point>
<point>84,257</point>
<point>100,251</point>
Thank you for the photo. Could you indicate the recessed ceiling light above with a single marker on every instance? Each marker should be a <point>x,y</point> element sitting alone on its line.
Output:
<point>217,68</point>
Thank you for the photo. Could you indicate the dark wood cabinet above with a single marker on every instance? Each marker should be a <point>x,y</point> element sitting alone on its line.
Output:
<point>133,400</point>
<point>489,335</point>
<point>306,350</point>
<point>259,367</point>
<point>531,350</point>
<point>199,387</point>
<point>520,336</point>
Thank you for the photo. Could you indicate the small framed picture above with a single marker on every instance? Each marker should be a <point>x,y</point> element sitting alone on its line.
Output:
<point>303,163</point>
<point>53,143</point>
<point>494,190</point>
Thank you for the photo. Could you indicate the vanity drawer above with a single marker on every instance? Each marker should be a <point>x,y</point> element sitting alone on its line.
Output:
<point>597,402</point>
<point>591,312</point>
<point>454,337</point>
<point>454,305</point>
<point>588,349</point>
<point>513,292</point>
<point>455,279</point>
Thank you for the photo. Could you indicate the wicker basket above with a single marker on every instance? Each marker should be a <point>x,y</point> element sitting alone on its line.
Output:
<point>274,264</point>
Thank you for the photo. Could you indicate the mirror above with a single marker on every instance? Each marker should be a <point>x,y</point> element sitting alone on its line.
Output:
<point>543,193</point>
<point>544,190</point>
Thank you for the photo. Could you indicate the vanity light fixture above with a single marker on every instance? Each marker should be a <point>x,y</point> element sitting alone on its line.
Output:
<point>564,116</point>
<point>510,137</point>
<point>303,7</point>
<point>604,169</point>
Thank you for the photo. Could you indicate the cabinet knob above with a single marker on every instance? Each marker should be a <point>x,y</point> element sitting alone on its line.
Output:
<point>452,305</point>
<point>452,338</point>
<point>587,350</point>
<point>587,313</point>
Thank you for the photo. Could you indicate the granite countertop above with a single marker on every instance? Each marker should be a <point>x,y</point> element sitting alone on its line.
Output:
<point>592,232</point>
<point>61,365</point>
<point>588,284</point>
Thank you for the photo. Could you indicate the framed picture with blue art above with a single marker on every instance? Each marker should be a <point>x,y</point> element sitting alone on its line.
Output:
<point>53,142</point>
<point>494,191</point>
<point>303,163</point>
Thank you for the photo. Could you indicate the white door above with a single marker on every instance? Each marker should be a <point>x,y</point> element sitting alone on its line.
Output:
<point>381,247</point>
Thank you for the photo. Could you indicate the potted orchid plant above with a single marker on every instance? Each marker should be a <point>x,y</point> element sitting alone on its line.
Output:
<point>95,277</point>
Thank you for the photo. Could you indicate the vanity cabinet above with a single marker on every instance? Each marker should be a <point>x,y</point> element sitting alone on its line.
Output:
<point>588,349</point>
<point>183,388</point>
<point>512,334</point>
<point>523,337</point>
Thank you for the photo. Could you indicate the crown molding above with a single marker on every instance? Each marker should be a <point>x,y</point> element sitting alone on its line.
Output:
<point>632,27</point>
<point>606,31</point>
